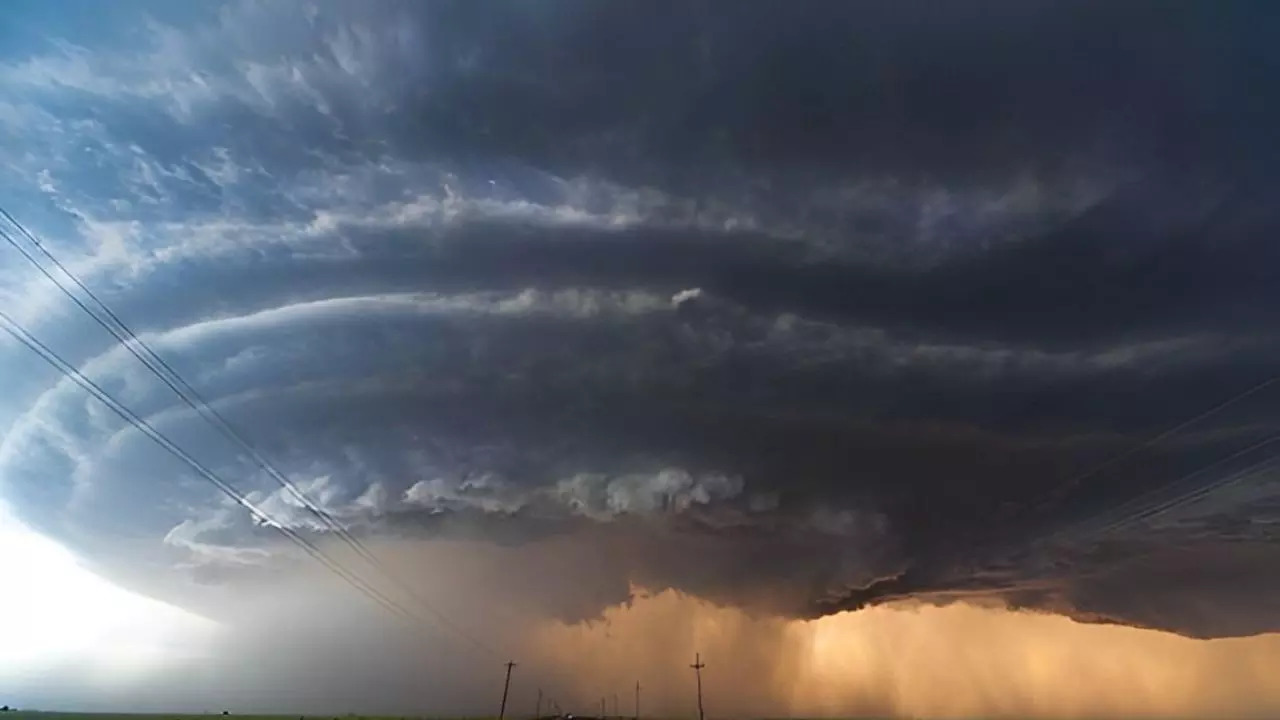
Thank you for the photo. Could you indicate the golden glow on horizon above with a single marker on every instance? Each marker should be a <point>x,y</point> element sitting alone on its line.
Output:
<point>935,662</point>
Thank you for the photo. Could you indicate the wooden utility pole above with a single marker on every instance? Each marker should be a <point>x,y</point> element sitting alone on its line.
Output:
<point>505,687</point>
<point>697,670</point>
<point>537,709</point>
<point>637,700</point>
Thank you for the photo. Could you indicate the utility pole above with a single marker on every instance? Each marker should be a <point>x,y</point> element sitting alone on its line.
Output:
<point>697,669</point>
<point>637,700</point>
<point>537,709</point>
<point>505,687</point>
<point>602,711</point>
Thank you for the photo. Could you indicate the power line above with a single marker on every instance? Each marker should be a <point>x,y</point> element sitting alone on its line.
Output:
<point>165,372</point>
<point>1198,493</point>
<point>1151,442</point>
<point>132,343</point>
<point>360,584</point>
<point>1160,437</point>
<point>1130,514</point>
<point>57,362</point>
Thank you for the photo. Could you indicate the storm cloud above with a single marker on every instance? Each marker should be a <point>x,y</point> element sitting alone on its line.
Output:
<point>791,309</point>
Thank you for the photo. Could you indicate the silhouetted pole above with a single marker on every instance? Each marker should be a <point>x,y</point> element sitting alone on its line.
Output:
<point>602,711</point>
<point>505,687</point>
<point>637,700</point>
<point>537,709</point>
<point>615,705</point>
<point>697,669</point>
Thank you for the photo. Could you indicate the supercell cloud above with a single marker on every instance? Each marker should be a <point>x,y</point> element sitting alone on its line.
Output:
<point>791,309</point>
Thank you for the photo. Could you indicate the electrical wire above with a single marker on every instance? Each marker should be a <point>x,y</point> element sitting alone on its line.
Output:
<point>1173,503</point>
<point>138,348</point>
<point>23,336</point>
<point>1160,437</point>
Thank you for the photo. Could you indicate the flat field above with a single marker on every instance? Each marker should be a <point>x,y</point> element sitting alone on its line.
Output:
<point>53,715</point>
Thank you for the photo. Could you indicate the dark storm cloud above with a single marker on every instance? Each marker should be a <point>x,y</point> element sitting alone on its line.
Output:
<point>792,309</point>
<point>911,87</point>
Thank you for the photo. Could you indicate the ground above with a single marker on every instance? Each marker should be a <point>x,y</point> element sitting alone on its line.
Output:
<point>37,715</point>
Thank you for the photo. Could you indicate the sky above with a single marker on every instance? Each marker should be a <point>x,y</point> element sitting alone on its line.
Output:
<point>899,358</point>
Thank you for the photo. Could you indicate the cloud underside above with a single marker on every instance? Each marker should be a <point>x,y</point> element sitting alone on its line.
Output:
<point>791,319</point>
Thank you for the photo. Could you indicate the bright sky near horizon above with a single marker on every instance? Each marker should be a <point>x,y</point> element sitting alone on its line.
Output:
<point>56,613</point>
